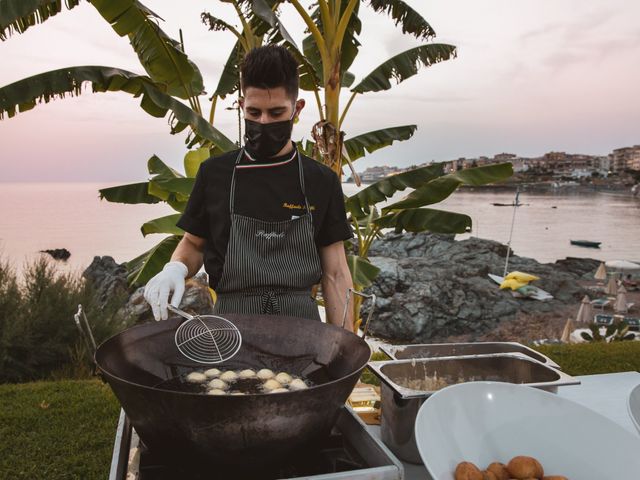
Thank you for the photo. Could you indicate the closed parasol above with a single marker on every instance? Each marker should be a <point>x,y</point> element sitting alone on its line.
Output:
<point>601,273</point>
<point>621,300</point>
<point>585,312</point>
<point>612,286</point>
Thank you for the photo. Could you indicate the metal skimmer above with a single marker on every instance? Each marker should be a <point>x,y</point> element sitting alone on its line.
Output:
<point>206,338</point>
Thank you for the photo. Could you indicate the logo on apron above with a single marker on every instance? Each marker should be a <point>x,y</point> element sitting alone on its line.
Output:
<point>269,235</point>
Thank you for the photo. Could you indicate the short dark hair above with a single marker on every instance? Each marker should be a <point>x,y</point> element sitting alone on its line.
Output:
<point>270,66</point>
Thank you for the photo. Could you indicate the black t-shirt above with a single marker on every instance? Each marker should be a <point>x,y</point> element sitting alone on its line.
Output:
<point>268,190</point>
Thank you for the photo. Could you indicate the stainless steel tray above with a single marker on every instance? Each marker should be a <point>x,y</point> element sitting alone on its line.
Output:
<point>432,350</point>
<point>401,400</point>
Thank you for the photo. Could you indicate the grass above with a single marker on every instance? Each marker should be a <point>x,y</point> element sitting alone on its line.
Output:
<point>65,429</point>
<point>57,430</point>
<point>594,358</point>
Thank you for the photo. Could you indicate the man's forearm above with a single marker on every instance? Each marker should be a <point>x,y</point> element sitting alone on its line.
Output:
<point>334,291</point>
<point>188,253</point>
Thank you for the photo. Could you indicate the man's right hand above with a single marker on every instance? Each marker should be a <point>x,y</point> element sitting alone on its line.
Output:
<point>157,290</point>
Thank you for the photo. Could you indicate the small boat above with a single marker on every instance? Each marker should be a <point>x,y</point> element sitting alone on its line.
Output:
<point>585,243</point>
<point>509,204</point>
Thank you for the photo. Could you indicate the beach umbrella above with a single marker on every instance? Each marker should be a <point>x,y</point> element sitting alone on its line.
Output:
<point>585,312</point>
<point>601,273</point>
<point>622,265</point>
<point>566,332</point>
<point>621,300</point>
<point>612,287</point>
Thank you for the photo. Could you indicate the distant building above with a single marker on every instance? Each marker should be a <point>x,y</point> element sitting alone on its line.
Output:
<point>627,158</point>
<point>373,174</point>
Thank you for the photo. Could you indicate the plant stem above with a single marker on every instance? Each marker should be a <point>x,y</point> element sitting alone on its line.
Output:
<point>346,109</point>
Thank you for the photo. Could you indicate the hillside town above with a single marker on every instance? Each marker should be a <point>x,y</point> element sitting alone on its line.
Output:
<point>620,167</point>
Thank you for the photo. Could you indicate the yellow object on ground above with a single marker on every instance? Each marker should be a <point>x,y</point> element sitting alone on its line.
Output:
<point>512,283</point>
<point>521,277</point>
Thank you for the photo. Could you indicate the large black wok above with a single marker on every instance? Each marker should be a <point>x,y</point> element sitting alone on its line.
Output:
<point>250,430</point>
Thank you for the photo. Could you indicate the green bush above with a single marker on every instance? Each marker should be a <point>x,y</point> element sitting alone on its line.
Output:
<point>594,358</point>
<point>57,430</point>
<point>38,337</point>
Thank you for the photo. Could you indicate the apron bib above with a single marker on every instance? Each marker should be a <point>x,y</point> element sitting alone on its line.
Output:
<point>269,267</point>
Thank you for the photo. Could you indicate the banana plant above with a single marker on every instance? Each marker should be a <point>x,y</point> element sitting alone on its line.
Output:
<point>330,49</point>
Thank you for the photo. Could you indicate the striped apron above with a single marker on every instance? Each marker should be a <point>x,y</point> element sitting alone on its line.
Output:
<point>269,267</point>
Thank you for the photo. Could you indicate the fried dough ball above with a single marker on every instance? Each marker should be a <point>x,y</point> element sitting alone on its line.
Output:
<point>279,390</point>
<point>248,373</point>
<point>271,384</point>
<point>229,376</point>
<point>284,378</point>
<point>499,470</point>
<point>297,384</point>
<point>487,475</point>
<point>218,384</point>
<point>196,377</point>
<point>212,373</point>
<point>216,391</point>
<point>523,467</point>
<point>468,471</point>
<point>265,374</point>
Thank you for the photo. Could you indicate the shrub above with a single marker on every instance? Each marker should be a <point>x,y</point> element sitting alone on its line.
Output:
<point>38,337</point>
<point>594,358</point>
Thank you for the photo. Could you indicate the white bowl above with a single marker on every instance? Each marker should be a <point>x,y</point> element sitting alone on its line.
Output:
<point>633,405</point>
<point>485,422</point>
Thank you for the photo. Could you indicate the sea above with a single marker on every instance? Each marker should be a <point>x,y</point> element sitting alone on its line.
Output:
<point>40,216</point>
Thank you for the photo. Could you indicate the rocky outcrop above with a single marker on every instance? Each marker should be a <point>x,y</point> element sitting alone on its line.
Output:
<point>196,299</point>
<point>109,279</point>
<point>58,253</point>
<point>431,287</point>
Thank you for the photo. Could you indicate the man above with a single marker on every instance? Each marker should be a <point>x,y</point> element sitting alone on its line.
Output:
<point>267,222</point>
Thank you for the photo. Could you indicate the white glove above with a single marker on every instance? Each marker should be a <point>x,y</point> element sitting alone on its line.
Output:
<point>157,290</point>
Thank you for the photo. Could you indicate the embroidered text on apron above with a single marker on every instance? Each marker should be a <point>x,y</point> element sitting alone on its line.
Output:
<point>269,267</point>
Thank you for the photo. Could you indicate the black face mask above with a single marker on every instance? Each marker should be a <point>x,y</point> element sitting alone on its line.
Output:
<point>265,140</point>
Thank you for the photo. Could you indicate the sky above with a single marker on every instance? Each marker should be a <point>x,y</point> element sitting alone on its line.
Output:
<point>531,76</point>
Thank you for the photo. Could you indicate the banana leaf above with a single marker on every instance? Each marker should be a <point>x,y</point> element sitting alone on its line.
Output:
<point>425,219</point>
<point>412,22</point>
<point>440,188</point>
<point>156,166</point>
<point>180,187</point>
<point>358,204</point>
<point>362,271</point>
<point>161,56</point>
<point>372,141</point>
<point>142,268</point>
<point>24,94</point>
<point>131,194</point>
<point>16,16</point>
<point>166,224</point>
<point>193,159</point>
<point>229,81</point>
<point>263,11</point>
<point>349,47</point>
<point>404,65</point>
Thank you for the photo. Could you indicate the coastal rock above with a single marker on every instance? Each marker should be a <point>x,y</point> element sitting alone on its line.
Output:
<point>58,253</point>
<point>109,279</point>
<point>196,298</point>
<point>432,286</point>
